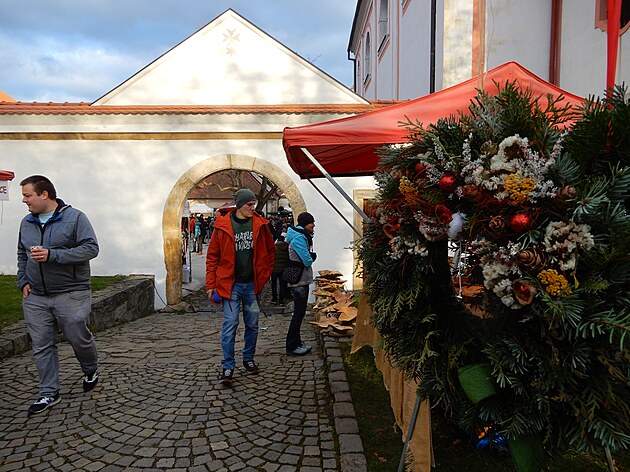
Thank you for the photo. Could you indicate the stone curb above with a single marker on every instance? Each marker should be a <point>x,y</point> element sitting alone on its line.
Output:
<point>352,455</point>
<point>119,303</point>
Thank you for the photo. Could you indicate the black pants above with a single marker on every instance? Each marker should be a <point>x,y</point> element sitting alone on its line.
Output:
<point>300,299</point>
<point>276,279</point>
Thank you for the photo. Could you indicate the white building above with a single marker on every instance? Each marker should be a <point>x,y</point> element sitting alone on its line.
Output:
<point>405,49</point>
<point>218,100</point>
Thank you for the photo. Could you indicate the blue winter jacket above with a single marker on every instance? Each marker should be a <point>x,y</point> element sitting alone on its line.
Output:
<point>71,242</point>
<point>300,250</point>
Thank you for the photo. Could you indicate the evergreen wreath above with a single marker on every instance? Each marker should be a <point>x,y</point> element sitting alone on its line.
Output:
<point>501,237</point>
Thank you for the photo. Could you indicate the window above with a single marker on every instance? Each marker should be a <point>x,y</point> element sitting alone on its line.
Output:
<point>383,22</point>
<point>601,15</point>
<point>367,56</point>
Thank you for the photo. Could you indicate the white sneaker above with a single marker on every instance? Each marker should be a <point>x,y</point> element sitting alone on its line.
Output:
<point>300,351</point>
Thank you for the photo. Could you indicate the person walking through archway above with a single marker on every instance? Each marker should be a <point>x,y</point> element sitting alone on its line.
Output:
<point>239,262</point>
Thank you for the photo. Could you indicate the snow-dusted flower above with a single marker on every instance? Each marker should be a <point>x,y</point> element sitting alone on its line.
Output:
<point>456,226</point>
<point>511,150</point>
<point>402,245</point>
<point>563,239</point>
<point>430,227</point>
<point>499,272</point>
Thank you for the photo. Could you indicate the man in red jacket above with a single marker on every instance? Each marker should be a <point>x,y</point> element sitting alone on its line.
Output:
<point>239,262</point>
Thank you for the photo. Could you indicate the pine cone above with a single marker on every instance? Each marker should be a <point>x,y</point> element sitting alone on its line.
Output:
<point>531,260</point>
<point>497,224</point>
<point>472,193</point>
<point>566,193</point>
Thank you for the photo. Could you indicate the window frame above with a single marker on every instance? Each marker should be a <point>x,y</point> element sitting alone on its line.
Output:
<point>383,24</point>
<point>367,57</point>
<point>601,15</point>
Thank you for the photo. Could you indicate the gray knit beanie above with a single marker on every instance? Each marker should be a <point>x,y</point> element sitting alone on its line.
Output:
<point>242,196</point>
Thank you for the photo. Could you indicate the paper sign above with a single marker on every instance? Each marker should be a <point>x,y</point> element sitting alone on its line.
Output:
<point>4,190</point>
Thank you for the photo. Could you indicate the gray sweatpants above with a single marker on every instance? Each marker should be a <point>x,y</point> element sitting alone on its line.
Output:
<point>69,311</point>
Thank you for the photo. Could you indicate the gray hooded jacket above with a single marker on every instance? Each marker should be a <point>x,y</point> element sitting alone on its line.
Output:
<point>71,242</point>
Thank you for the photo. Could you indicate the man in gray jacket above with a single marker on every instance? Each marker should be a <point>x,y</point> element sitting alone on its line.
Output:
<point>55,245</point>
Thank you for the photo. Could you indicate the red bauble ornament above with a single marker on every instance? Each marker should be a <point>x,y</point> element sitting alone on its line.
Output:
<point>421,169</point>
<point>447,183</point>
<point>520,222</point>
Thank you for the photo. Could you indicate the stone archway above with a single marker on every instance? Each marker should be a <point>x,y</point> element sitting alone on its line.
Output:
<point>174,207</point>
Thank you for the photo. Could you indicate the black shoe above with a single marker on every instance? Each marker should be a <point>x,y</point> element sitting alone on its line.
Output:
<point>226,377</point>
<point>250,366</point>
<point>43,403</point>
<point>90,381</point>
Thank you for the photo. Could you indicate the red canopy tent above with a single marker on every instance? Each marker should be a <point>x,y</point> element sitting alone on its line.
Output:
<point>347,147</point>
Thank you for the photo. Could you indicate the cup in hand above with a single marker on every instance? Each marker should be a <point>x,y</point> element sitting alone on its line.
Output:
<point>37,252</point>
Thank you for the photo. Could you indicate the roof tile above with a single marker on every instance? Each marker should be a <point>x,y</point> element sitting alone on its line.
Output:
<point>84,108</point>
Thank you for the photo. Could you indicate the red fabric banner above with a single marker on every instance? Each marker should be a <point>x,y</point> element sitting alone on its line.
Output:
<point>612,30</point>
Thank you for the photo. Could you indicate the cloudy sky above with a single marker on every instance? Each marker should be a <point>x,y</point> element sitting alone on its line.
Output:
<point>77,50</point>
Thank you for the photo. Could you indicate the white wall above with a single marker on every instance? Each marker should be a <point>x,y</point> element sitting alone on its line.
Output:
<point>229,61</point>
<point>515,31</point>
<point>583,56</point>
<point>122,186</point>
<point>415,49</point>
<point>519,31</point>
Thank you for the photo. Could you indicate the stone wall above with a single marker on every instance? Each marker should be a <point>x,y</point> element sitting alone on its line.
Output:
<point>122,302</point>
<point>119,303</point>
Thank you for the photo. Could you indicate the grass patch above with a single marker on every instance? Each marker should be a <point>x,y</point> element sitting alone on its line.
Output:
<point>381,437</point>
<point>11,306</point>
<point>102,281</point>
<point>453,450</point>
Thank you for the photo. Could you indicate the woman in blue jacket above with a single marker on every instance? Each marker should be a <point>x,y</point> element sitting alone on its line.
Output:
<point>300,239</point>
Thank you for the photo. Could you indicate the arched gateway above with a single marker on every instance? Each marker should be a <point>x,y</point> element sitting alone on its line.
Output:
<point>174,206</point>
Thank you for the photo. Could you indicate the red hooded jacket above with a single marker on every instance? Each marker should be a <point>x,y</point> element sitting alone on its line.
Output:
<point>221,255</point>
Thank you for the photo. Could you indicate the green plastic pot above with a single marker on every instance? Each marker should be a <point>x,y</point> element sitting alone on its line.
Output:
<point>527,453</point>
<point>476,380</point>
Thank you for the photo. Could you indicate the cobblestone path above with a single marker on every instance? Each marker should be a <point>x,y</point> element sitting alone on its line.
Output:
<point>159,405</point>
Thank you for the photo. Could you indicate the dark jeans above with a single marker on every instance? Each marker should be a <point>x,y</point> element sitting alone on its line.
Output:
<point>275,280</point>
<point>300,299</point>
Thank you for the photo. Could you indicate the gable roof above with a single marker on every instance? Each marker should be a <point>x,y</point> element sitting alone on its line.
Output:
<point>348,146</point>
<point>5,98</point>
<point>229,61</point>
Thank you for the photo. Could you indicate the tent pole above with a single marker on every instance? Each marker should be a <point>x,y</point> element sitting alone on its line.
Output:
<point>412,426</point>
<point>333,207</point>
<point>335,184</point>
